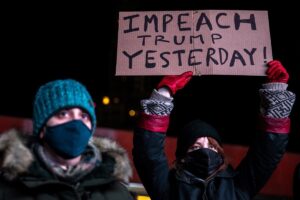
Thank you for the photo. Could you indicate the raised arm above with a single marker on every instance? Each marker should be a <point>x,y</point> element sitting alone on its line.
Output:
<point>148,151</point>
<point>270,145</point>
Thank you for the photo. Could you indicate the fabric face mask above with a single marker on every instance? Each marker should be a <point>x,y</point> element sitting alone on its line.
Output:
<point>68,140</point>
<point>202,162</point>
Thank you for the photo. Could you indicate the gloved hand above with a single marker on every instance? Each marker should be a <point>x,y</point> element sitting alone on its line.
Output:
<point>175,82</point>
<point>276,72</point>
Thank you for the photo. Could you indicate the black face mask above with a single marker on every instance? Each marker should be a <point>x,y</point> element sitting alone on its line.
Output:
<point>202,162</point>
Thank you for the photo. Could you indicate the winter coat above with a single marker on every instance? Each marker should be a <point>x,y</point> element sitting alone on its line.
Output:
<point>242,183</point>
<point>24,176</point>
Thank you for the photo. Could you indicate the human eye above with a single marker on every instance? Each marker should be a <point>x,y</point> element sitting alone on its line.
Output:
<point>85,116</point>
<point>213,147</point>
<point>62,114</point>
<point>194,148</point>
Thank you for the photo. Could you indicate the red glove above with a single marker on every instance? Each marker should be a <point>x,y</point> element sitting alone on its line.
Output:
<point>175,82</point>
<point>276,72</point>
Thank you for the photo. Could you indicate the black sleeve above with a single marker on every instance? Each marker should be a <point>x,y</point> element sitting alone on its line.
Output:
<point>151,162</point>
<point>260,162</point>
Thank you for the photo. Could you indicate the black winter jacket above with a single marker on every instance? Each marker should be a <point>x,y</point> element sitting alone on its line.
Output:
<point>243,183</point>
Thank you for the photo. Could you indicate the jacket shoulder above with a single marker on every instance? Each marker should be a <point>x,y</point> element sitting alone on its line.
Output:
<point>122,169</point>
<point>15,155</point>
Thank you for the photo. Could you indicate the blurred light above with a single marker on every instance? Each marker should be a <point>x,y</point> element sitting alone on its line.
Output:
<point>143,197</point>
<point>132,113</point>
<point>105,100</point>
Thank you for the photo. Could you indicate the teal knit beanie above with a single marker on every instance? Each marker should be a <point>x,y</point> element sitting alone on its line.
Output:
<point>57,95</point>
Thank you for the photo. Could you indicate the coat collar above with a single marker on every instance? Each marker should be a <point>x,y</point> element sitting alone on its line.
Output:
<point>16,157</point>
<point>189,178</point>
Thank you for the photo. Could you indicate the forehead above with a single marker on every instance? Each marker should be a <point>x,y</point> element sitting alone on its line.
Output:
<point>71,109</point>
<point>201,140</point>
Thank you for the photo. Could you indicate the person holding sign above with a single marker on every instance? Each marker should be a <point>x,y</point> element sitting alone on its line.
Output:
<point>201,170</point>
<point>63,160</point>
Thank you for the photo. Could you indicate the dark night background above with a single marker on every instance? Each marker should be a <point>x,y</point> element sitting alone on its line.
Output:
<point>42,42</point>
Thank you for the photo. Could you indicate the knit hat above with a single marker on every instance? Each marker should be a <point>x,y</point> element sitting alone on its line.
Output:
<point>57,95</point>
<point>191,132</point>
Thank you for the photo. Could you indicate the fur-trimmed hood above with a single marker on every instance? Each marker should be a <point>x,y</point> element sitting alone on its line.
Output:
<point>16,157</point>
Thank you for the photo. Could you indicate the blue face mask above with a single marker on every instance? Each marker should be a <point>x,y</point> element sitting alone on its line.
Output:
<point>68,140</point>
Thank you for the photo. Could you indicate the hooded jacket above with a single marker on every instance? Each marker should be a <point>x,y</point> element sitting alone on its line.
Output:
<point>24,176</point>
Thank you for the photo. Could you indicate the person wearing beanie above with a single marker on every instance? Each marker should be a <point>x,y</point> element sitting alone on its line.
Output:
<point>201,170</point>
<point>62,159</point>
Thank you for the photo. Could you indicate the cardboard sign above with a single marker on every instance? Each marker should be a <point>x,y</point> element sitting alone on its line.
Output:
<point>208,42</point>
